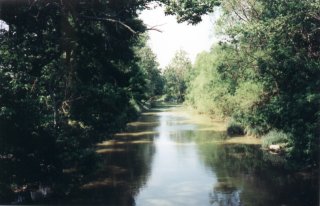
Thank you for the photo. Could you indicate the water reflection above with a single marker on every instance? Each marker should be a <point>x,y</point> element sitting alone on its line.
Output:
<point>195,165</point>
<point>166,158</point>
<point>177,178</point>
<point>249,176</point>
<point>125,165</point>
<point>225,194</point>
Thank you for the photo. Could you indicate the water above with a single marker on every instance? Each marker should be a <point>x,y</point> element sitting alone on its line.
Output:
<point>178,177</point>
<point>172,160</point>
<point>167,158</point>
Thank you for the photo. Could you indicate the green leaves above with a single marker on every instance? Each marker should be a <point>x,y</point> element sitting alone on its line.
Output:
<point>176,77</point>
<point>189,10</point>
<point>267,75</point>
<point>70,74</point>
<point>150,74</point>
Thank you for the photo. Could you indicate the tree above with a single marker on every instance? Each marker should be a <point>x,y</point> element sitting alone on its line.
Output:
<point>69,78</point>
<point>188,10</point>
<point>176,76</point>
<point>269,68</point>
<point>149,65</point>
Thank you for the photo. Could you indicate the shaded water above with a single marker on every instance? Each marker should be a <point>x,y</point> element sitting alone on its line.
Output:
<point>166,158</point>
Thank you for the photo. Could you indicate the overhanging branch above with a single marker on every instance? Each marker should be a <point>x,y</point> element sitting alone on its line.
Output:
<point>154,28</point>
<point>110,20</point>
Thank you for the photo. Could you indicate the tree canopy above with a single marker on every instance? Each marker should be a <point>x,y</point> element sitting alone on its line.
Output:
<point>73,72</point>
<point>70,76</point>
<point>176,76</point>
<point>265,74</point>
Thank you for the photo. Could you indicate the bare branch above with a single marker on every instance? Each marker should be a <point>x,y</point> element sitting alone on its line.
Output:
<point>154,28</point>
<point>315,30</point>
<point>317,17</point>
<point>110,20</point>
<point>253,9</point>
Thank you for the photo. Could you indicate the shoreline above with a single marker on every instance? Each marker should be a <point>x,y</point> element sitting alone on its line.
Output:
<point>214,124</point>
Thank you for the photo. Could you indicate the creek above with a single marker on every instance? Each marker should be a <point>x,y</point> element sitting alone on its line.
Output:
<point>170,158</point>
<point>167,158</point>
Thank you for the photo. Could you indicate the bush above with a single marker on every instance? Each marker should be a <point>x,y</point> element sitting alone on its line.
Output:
<point>234,129</point>
<point>275,137</point>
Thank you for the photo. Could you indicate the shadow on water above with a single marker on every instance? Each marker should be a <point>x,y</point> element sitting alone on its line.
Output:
<point>124,166</point>
<point>167,158</point>
<point>247,175</point>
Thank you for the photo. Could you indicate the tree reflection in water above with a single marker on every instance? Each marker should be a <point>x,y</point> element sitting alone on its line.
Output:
<point>124,167</point>
<point>225,195</point>
<point>187,164</point>
<point>249,176</point>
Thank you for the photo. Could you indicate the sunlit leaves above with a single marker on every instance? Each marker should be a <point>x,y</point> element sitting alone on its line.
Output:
<point>176,76</point>
<point>270,67</point>
<point>189,10</point>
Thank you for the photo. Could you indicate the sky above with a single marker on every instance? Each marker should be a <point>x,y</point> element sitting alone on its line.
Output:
<point>3,25</point>
<point>174,36</point>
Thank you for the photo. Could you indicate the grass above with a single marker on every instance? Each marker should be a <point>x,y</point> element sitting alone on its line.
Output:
<point>275,137</point>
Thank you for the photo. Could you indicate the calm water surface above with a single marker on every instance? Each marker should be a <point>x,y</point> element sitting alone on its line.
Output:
<point>166,159</point>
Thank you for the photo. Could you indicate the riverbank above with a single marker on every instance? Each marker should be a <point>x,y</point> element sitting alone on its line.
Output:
<point>171,149</point>
<point>210,123</point>
<point>214,124</point>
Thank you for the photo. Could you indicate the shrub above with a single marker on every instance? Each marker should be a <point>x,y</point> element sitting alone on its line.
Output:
<point>275,137</point>
<point>234,129</point>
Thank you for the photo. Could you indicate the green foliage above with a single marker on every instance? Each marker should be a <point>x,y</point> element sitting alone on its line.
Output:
<point>275,137</point>
<point>176,77</point>
<point>266,73</point>
<point>189,10</point>
<point>70,76</point>
<point>74,72</point>
<point>234,129</point>
<point>151,72</point>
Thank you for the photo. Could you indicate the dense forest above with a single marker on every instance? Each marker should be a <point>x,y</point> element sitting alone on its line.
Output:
<point>74,72</point>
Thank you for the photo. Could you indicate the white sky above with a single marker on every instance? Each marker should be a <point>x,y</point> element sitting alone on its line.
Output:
<point>3,25</point>
<point>174,36</point>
